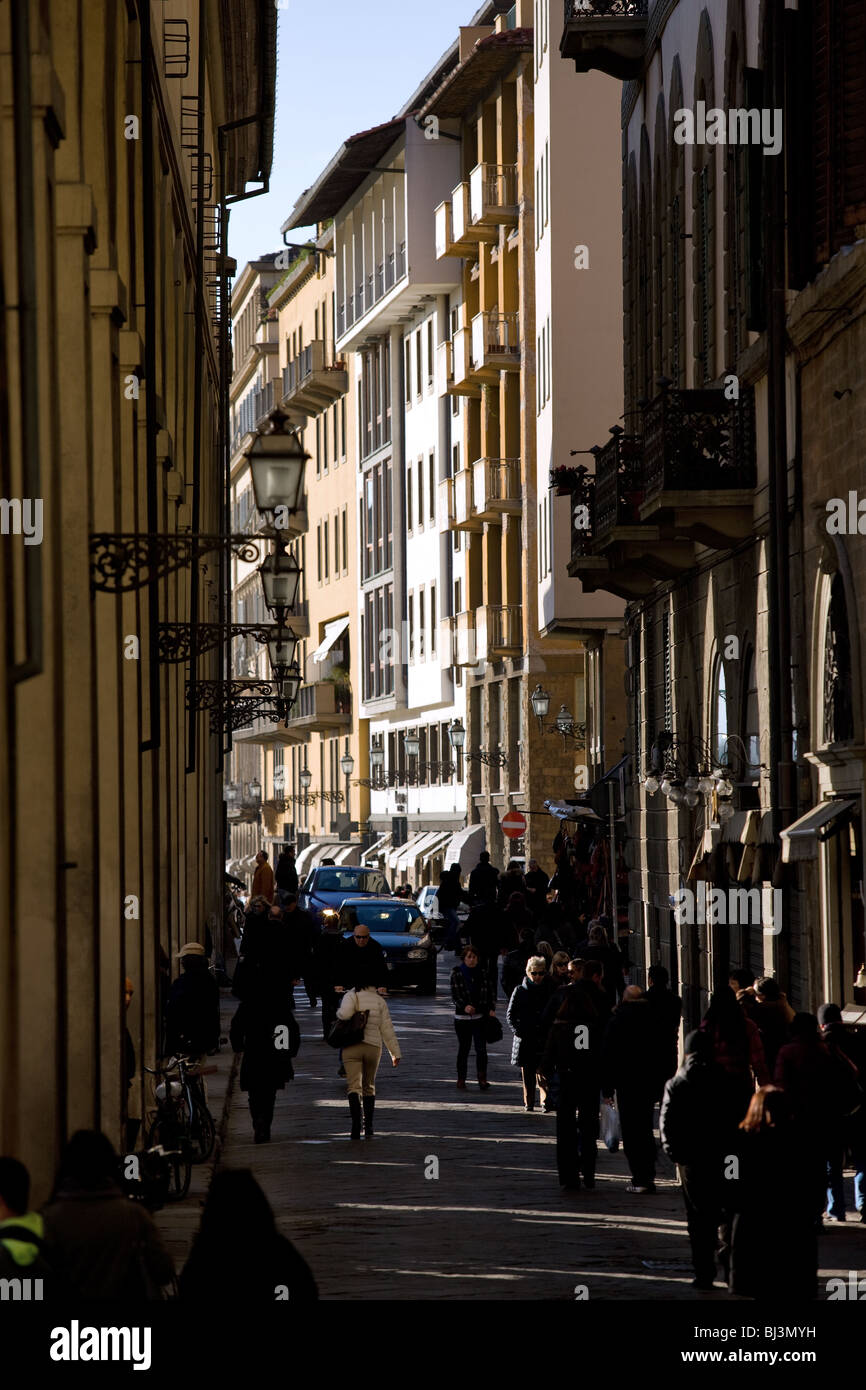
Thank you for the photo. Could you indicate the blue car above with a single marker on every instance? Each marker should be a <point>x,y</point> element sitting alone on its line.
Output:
<point>329,887</point>
<point>402,932</point>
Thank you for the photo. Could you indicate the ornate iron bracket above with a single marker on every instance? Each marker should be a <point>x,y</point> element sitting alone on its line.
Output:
<point>175,639</point>
<point>490,759</point>
<point>126,561</point>
<point>334,797</point>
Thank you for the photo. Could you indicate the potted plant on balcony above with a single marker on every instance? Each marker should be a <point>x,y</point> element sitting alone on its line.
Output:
<point>565,479</point>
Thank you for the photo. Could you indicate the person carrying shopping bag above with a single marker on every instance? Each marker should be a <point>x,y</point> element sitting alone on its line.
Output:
<point>361,1059</point>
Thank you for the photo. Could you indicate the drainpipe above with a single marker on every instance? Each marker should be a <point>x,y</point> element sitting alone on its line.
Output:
<point>200,328</point>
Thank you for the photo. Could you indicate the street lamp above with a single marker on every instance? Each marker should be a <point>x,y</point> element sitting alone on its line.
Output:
<point>281,576</point>
<point>564,721</point>
<point>540,701</point>
<point>457,734</point>
<point>279,780</point>
<point>347,763</point>
<point>377,758</point>
<point>276,459</point>
<point>305,777</point>
<point>412,744</point>
<point>288,686</point>
<point>281,650</point>
<point>256,792</point>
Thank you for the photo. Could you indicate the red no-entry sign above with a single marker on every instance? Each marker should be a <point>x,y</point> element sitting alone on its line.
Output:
<point>514,825</point>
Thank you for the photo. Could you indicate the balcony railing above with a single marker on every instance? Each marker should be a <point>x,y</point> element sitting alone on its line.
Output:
<point>464,510</point>
<point>619,483</point>
<point>496,340</point>
<point>445,505</point>
<point>699,441</point>
<point>312,383</point>
<point>444,368</point>
<point>462,363</point>
<point>496,488</point>
<point>445,232</point>
<point>499,631</point>
<point>493,194</point>
<point>460,216</point>
<point>607,35</point>
<point>371,288</point>
<point>322,705</point>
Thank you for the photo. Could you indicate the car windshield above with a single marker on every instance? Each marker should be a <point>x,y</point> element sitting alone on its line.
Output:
<point>350,881</point>
<point>403,918</point>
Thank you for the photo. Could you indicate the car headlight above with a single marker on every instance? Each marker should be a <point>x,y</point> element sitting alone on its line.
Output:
<point>417,954</point>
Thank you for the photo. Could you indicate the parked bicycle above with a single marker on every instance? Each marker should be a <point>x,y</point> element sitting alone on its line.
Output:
<point>182,1126</point>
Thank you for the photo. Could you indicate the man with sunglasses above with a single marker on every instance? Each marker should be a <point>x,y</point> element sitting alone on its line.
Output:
<point>360,949</point>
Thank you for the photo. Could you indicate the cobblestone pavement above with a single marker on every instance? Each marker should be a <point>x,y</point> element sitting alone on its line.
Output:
<point>493,1224</point>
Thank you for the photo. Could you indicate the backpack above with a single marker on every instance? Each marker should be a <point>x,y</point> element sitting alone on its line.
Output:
<point>39,1269</point>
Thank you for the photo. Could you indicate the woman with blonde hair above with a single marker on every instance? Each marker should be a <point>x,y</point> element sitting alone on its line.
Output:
<point>525,1015</point>
<point>361,1059</point>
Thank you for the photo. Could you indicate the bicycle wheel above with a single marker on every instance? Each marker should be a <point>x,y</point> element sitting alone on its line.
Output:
<point>202,1133</point>
<point>166,1133</point>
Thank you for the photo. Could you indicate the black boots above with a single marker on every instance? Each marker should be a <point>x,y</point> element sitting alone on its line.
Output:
<point>369,1107</point>
<point>355,1112</point>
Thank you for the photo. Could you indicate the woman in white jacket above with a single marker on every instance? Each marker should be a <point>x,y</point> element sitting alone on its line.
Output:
<point>361,1060</point>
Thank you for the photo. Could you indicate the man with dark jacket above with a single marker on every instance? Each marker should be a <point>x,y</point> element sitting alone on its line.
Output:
<point>665,1010</point>
<point>286,875</point>
<point>573,1051</point>
<point>303,933</point>
<point>628,1069</point>
<point>512,881</point>
<point>514,962</point>
<point>848,1054</point>
<point>483,880</point>
<point>192,1022</point>
<point>536,881</point>
<point>363,962</point>
<point>449,895</point>
<point>484,930</point>
<point>328,967</point>
<point>694,1136</point>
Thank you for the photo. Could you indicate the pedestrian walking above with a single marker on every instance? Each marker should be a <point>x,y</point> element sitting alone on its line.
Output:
<point>629,1071</point>
<point>774,1247</point>
<point>817,1098</point>
<point>485,931</point>
<point>285,874</point>
<point>483,880</point>
<point>737,1049</point>
<point>263,878</point>
<point>328,967</point>
<point>773,1015</point>
<point>473,1003</point>
<point>695,1136</point>
<point>597,946</point>
<point>849,1057</point>
<point>238,1233</point>
<point>101,1245</point>
<point>192,1024</point>
<point>573,1052</point>
<point>665,1011</point>
<point>514,962</point>
<point>536,881</point>
<point>450,895</point>
<point>264,1029</point>
<point>512,881</point>
<point>742,982</point>
<point>361,1060</point>
<point>303,933</point>
<point>525,1014</point>
<point>559,969</point>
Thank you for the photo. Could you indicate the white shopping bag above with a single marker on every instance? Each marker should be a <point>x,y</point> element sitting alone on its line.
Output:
<point>610,1130</point>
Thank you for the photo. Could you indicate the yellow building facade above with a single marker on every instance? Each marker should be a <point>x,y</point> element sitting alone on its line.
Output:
<point>112,278</point>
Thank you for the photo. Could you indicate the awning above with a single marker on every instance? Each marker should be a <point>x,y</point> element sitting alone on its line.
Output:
<point>349,854</point>
<point>400,858</point>
<point>465,847</point>
<point>377,849</point>
<point>314,852</point>
<point>436,847</point>
<point>800,840</point>
<point>332,632</point>
<point>413,849</point>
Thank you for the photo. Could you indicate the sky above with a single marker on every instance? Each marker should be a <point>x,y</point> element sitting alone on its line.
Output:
<point>342,66</point>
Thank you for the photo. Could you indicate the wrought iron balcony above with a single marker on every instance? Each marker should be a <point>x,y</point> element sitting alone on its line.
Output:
<point>606,34</point>
<point>619,483</point>
<point>493,198</point>
<point>496,488</point>
<point>699,464</point>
